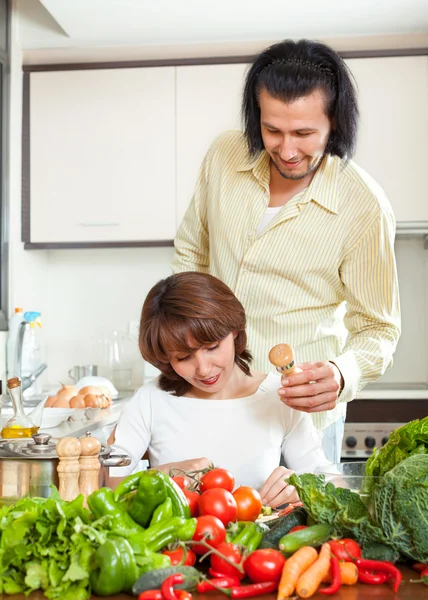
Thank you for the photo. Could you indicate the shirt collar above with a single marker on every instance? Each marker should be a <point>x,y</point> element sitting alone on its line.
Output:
<point>322,189</point>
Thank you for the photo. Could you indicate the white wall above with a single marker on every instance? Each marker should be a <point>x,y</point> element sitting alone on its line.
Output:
<point>85,294</point>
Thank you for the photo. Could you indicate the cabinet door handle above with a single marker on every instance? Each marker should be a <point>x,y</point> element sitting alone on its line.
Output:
<point>100,224</point>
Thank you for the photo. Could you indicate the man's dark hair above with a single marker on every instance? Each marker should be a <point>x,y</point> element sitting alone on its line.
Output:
<point>290,70</point>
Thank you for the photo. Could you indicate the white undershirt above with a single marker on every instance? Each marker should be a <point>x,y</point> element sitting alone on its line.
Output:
<point>269,215</point>
<point>244,435</point>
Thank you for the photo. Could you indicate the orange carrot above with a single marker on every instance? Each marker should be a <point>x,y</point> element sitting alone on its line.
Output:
<point>293,568</point>
<point>348,574</point>
<point>309,582</point>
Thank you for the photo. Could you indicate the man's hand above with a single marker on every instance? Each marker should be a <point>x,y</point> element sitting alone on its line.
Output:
<point>276,491</point>
<point>315,389</point>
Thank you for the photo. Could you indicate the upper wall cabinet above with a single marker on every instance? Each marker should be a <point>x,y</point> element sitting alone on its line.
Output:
<point>208,103</point>
<point>393,135</point>
<point>101,152</point>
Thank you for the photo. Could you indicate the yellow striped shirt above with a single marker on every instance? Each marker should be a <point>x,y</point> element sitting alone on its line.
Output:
<point>321,276</point>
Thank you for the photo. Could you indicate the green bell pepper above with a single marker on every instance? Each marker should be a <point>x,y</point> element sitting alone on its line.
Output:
<point>114,568</point>
<point>180,506</point>
<point>162,512</point>
<point>164,533</point>
<point>249,536</point>
<point>102,503</point>
<point>150,493</point>
<point>149,561</point>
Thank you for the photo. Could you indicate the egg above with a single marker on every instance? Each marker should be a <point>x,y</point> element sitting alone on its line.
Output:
<point>61,403</point>
<point>77,402</point>
<point>89,389</point>
<point>50,401</point>
<point>92,401</point>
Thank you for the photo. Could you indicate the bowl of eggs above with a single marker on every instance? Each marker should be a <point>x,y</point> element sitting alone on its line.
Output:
<point>83,403</point>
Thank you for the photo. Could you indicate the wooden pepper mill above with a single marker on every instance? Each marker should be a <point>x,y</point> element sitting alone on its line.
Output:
<point>68,450</point>
<point>282,357</point>
<point>89,465</point>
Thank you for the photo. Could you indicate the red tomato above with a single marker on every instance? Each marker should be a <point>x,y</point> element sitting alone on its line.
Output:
<point>217,478</point>
<point>297,528</point>
<point>192,501</point>
<point>219,503</point>
<point>264,565</point>
<point>182,482</point>
<point>345,549</point>
<point>249,503</point>
<point>233,553</point>
<point>210,528</point>
<point>176,556</point>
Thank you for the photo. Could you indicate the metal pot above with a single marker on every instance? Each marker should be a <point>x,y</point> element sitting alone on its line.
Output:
<point>29,466</point>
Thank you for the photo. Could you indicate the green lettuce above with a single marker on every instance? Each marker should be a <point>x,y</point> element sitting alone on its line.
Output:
<point>48,544</point>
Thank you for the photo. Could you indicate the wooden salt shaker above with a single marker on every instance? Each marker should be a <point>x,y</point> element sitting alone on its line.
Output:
<point>68,450</point>
<point>283,358</point>
<point>89,465</point>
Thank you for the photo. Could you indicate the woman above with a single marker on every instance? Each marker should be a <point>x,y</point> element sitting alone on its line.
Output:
<point>207,406</point>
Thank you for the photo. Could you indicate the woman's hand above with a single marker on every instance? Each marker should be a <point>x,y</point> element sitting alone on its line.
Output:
<point>193,464</point>
<point>276,491</point>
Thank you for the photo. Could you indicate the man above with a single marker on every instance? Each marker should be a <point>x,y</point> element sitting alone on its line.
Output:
<point>302,235</point>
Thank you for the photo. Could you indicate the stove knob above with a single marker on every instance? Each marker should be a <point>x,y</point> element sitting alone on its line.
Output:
<point>351,441</point>
<point>370,442</point>
<point>384,440</point>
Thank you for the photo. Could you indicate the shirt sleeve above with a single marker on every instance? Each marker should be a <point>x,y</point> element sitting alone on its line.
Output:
<point>192,239</point>
<point>369,275</point>
<point>133,431</point>
<point>302,445</point>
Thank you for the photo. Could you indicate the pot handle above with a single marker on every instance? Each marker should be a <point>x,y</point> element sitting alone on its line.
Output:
<point>115,460</point>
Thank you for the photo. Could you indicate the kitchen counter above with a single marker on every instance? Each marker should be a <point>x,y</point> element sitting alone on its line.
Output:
<point>408,591</point>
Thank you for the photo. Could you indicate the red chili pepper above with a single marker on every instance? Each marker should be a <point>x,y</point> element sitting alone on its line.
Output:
<point>372,578</point>
<point>216,574</point>
<point>382,567</point>
<point>151,595</point>
<point>183,595</point>
<point>255,589</point>
<point>167,588</point>
<point>336,577</point>
<point>421,567</point>
<point>210,585</point>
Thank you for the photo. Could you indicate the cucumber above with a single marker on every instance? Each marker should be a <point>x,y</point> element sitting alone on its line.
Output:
<point>152,580</point>
<point>314,536</point>
<point>282,527</point>
<point>378,551</point>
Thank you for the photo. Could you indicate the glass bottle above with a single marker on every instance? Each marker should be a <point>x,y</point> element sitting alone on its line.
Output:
<point>19,426</point>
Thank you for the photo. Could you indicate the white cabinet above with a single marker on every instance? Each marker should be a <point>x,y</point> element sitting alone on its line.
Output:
<point>102,155</point>
<point>114,154</point>
<point>393,135</point>
<point>208,103</point>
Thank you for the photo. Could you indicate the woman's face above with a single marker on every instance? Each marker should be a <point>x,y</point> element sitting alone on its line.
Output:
<point>208,368</point>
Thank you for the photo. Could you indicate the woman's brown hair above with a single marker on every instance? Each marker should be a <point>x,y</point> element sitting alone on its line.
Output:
<point>189,305</point>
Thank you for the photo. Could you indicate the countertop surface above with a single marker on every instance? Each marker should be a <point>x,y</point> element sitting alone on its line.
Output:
<point>359,591</point>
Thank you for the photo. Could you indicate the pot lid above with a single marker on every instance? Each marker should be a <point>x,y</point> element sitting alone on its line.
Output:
<point>39,447</point>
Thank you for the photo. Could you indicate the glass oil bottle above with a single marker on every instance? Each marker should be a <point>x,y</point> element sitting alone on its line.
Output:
<point>19,426</point>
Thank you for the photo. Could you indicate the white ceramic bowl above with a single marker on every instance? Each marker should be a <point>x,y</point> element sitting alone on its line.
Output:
<point>52,417</point>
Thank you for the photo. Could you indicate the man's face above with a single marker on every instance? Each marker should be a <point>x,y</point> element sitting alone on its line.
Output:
<point>295,135</point>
